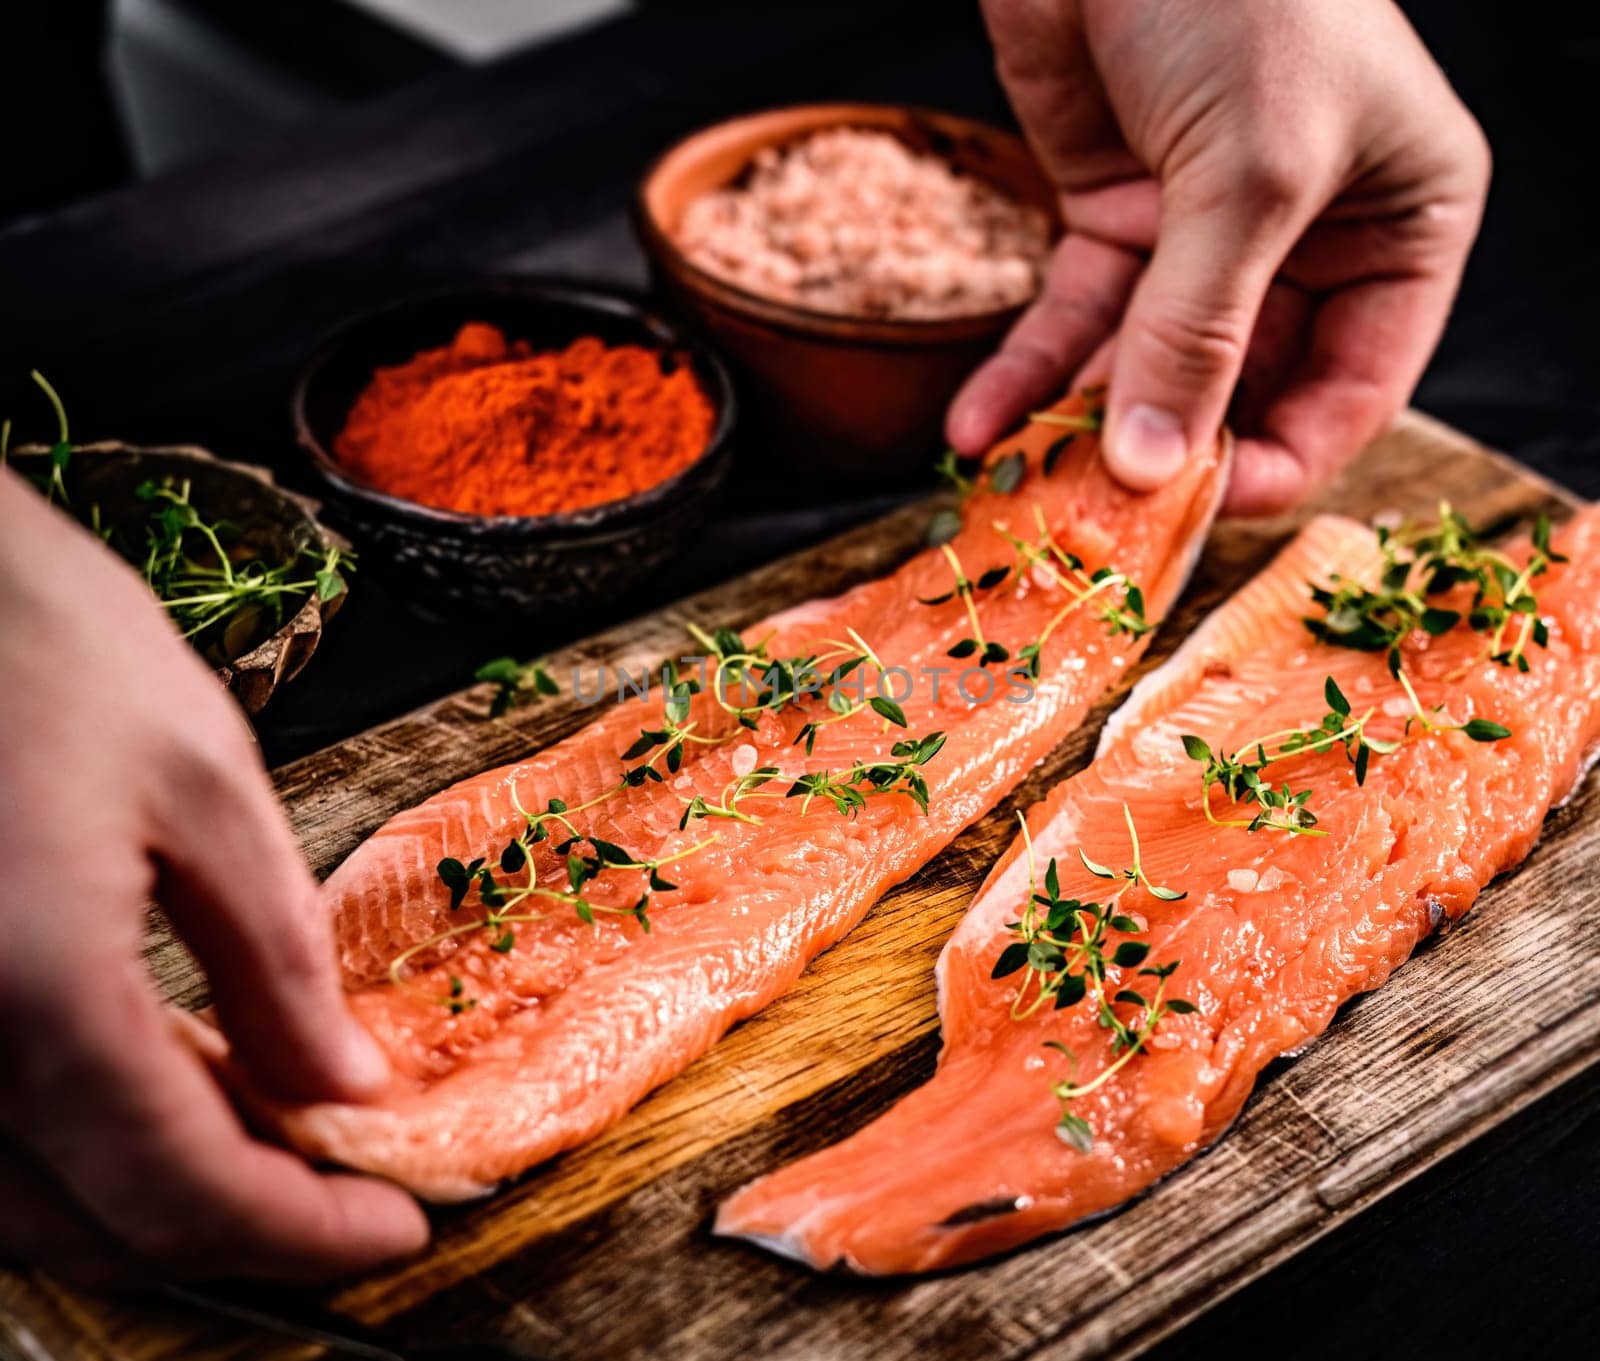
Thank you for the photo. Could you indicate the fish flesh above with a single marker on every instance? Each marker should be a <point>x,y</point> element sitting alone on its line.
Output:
<point>512,1041</point>
<point>1274,933</point>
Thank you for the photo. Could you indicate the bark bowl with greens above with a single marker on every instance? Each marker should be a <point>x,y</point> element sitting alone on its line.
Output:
<point>246,572</point>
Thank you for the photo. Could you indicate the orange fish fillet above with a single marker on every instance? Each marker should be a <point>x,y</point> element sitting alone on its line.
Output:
<point>1276,932</point>
<point>577,1022</point>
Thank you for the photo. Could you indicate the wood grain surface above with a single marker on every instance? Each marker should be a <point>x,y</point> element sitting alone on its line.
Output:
<point>605,1251</point>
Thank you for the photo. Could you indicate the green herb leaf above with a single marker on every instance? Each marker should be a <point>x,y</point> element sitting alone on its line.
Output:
<point>1075,1133</point>
<point>888,709</point>
<point>1094,867</point>
<point>943,527</point>
<point>1012,958</point>
<point>1006,475</point>
<point>1052,455</point>
<point>993,577</point>
<point>1335,697</point>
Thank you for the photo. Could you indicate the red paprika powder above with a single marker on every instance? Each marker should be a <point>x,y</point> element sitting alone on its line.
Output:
<point>493,427</point>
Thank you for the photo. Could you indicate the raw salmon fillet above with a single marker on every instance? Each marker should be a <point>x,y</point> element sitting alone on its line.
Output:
<point>577,1022</point>
<point>1274,934</point>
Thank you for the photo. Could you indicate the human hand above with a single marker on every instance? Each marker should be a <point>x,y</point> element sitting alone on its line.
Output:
<point>126,773</point>
<point>1273,194</point>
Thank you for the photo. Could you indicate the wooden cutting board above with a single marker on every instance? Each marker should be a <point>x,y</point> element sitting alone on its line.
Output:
<point>605,1251</point>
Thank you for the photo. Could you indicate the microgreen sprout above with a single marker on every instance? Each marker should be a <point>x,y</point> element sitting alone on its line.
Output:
<point>60,454</point>
<point>189,568</point>
<point>219,596</point>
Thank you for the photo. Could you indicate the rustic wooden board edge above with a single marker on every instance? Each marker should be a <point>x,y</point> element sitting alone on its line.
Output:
<point>1411,1148</point>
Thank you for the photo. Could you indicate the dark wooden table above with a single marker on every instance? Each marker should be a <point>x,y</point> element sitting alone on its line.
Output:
<point>179,310</point>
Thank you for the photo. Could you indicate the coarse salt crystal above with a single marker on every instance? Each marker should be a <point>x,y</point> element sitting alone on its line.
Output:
<point>743,759</point>
<point>854,222</point>
<point>1243,881</point>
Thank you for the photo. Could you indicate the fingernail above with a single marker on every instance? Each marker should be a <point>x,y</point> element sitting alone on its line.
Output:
<point>1147,447</point>
<point>366,1066</point>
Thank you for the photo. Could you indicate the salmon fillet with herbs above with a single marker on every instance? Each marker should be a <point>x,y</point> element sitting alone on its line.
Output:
<point>540,946</point>
<point>1394,734</point>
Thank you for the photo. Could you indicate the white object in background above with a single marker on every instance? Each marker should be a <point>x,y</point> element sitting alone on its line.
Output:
<point>479,30</point>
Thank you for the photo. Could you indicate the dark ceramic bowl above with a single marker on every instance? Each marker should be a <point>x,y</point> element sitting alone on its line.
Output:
<point>445,560</point>
<point>865,396</point>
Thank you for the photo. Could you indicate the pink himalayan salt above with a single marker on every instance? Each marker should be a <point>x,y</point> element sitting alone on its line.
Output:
<point>853,222</point>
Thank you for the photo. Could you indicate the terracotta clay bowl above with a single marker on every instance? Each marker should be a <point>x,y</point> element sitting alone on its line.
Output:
<point>864,396</point>
<point>444,562</point>
<point>252,660</point>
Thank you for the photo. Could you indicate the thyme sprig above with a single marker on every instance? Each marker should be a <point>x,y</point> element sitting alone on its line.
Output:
<point>1422,563</point>
<point>1066,571</point>
<point>956,471</point>
<point>779,682</point>
<point>516,683</point>
<point>1064,950</point>
<point>503,899</point>
<point>848,792</point>
<point>1089,421</point>
<point>1121,614</point>
<point>1241,775</point>
<point>966,590</point>
<point>1005,474</point>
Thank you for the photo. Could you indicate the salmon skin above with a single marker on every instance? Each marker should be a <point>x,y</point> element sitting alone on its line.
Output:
<point>1275,933</point>
<point>506,1051</point>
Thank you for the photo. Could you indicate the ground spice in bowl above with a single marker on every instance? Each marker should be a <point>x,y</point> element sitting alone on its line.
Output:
<point>490,426</point>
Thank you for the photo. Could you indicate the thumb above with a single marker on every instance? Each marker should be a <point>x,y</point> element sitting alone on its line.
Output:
<point>238,892</point>
<point>1188,325</point>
